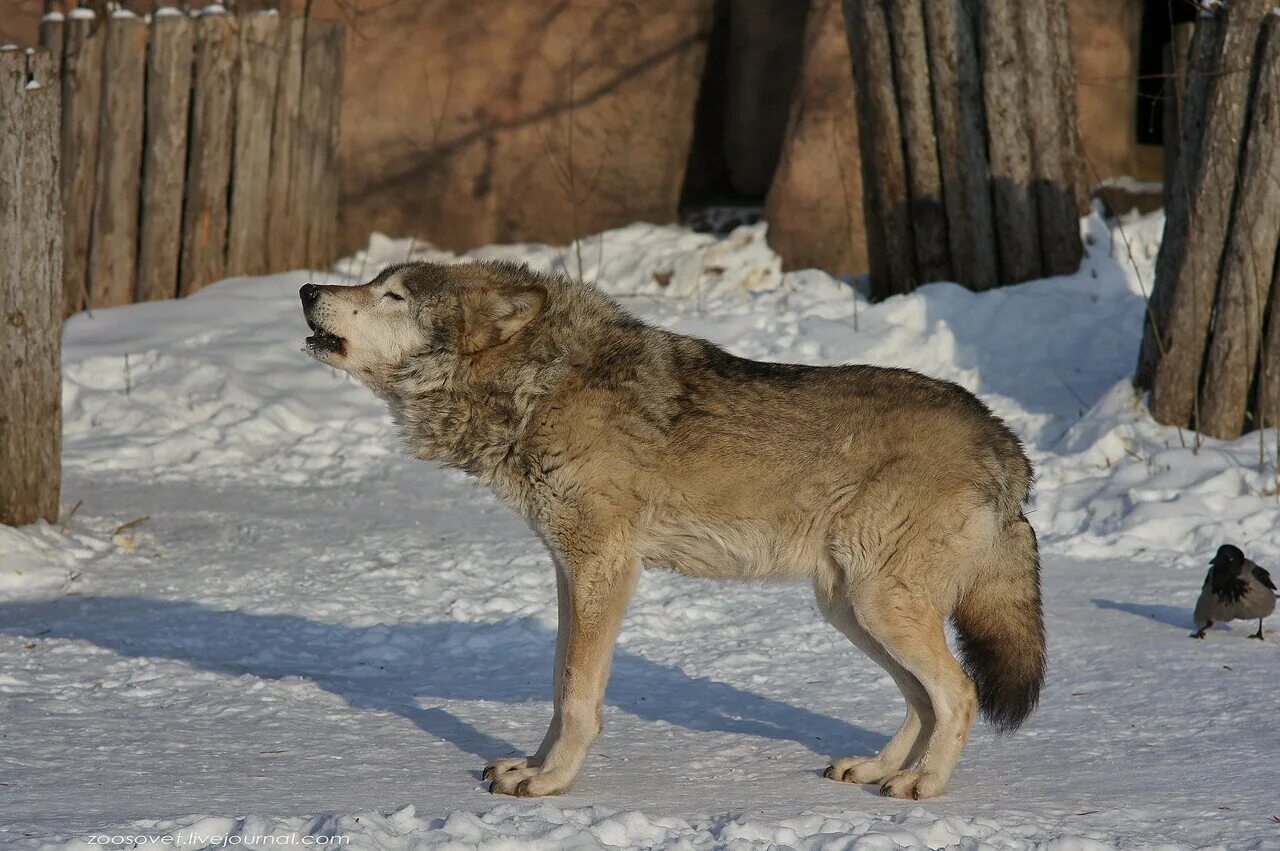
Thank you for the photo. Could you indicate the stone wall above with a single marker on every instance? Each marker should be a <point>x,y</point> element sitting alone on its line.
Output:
<point>474,121</point>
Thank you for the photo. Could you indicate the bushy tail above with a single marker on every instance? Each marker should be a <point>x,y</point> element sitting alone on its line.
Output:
<point>1001,630</point>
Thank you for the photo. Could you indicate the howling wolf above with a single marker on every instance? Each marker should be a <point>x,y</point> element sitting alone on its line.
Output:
<point>898,496</point>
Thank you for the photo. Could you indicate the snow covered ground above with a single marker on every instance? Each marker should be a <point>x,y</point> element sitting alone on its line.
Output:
<point>311,636</point>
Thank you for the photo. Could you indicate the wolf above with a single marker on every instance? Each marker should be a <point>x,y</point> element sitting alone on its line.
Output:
<point>899,497</point>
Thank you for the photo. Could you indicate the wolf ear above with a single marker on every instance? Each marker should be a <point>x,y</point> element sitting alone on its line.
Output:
<point>494,313</point>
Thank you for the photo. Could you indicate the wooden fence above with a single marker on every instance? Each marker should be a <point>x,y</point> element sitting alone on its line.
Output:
<point>971,154</point>
<point>194,147</point>
<point>30,288</point>
<point>1211,346</point>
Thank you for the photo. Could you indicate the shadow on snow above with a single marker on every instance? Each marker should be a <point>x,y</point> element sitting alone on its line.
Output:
<point>398,667</point>
<point>1178,616</point>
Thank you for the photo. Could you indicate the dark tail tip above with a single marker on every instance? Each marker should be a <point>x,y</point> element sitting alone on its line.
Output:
<point>1007,671</point>
<point>1000,625</point>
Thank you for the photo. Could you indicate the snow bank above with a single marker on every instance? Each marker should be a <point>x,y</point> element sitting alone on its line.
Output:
<point>1053,357</point>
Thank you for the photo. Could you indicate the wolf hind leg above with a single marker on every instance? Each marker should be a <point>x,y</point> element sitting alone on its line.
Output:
<point>911,629</point>
<point>907,745</point>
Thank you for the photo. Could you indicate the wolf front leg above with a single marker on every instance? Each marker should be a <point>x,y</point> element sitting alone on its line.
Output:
<point>598,590</point>
<point>502,765</point>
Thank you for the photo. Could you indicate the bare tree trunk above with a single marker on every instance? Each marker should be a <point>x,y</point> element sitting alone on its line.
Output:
<point>1176,58</point>
<point>1249,261</point>
<point>1205,50</point>
<point>1268,381</point>
<point>1176,381</point>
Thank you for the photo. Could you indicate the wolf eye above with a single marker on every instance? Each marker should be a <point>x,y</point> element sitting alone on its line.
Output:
<point>396,296</point>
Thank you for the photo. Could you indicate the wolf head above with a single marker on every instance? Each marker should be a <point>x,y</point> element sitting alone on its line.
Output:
<point>375,330</point>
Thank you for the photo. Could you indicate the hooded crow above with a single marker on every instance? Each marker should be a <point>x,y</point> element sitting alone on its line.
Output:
<point>1235,589</point>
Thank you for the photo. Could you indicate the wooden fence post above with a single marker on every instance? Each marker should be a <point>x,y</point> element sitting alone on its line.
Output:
<point>1004,69</point>
<point>81,123</point>
<point>204,219</point>
<point>1063,65</point>
<point>971,151</point>
<point>114,243</point>
<point>920,142</point>
<point>53,30</point>
<point>260,49</point>
<point>312,136</point>
<point>30,287</point>
<point>891,249</point>
<point>1052,182</point>
<point>165,162</point>
<point>284,137</point>
<point>322,217</point>
<point>1191,276</point>
<point>962,144</point>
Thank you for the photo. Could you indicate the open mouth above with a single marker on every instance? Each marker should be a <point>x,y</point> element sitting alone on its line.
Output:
<point>325,341</point>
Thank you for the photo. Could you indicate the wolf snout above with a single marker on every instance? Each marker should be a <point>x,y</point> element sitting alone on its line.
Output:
<point>309,293</point>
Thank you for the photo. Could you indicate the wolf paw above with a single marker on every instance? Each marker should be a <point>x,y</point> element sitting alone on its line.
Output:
<point>529,783</point>
<point>913,785</point>
<point>857,769</point>
<point>505,764</point>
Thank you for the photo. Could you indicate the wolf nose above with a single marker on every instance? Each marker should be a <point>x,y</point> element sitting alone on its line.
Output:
<point>309,293</point>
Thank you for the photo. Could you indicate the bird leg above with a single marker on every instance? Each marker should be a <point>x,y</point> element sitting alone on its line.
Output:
<point>1200,632</point>
<point>1258,634</point>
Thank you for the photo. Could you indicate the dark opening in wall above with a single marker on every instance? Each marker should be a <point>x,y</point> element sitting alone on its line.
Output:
<point>1158,20</point>
<point>753,65</point>
<point>706,176</point>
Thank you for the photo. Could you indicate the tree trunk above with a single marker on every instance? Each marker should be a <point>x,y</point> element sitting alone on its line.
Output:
<point>1206,47</point>
<point>1177,55</point>
<point>1176,382</point>
<point>1249,261</point>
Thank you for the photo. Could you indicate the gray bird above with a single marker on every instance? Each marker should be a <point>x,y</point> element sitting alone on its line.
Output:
<point>1235,589</point>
